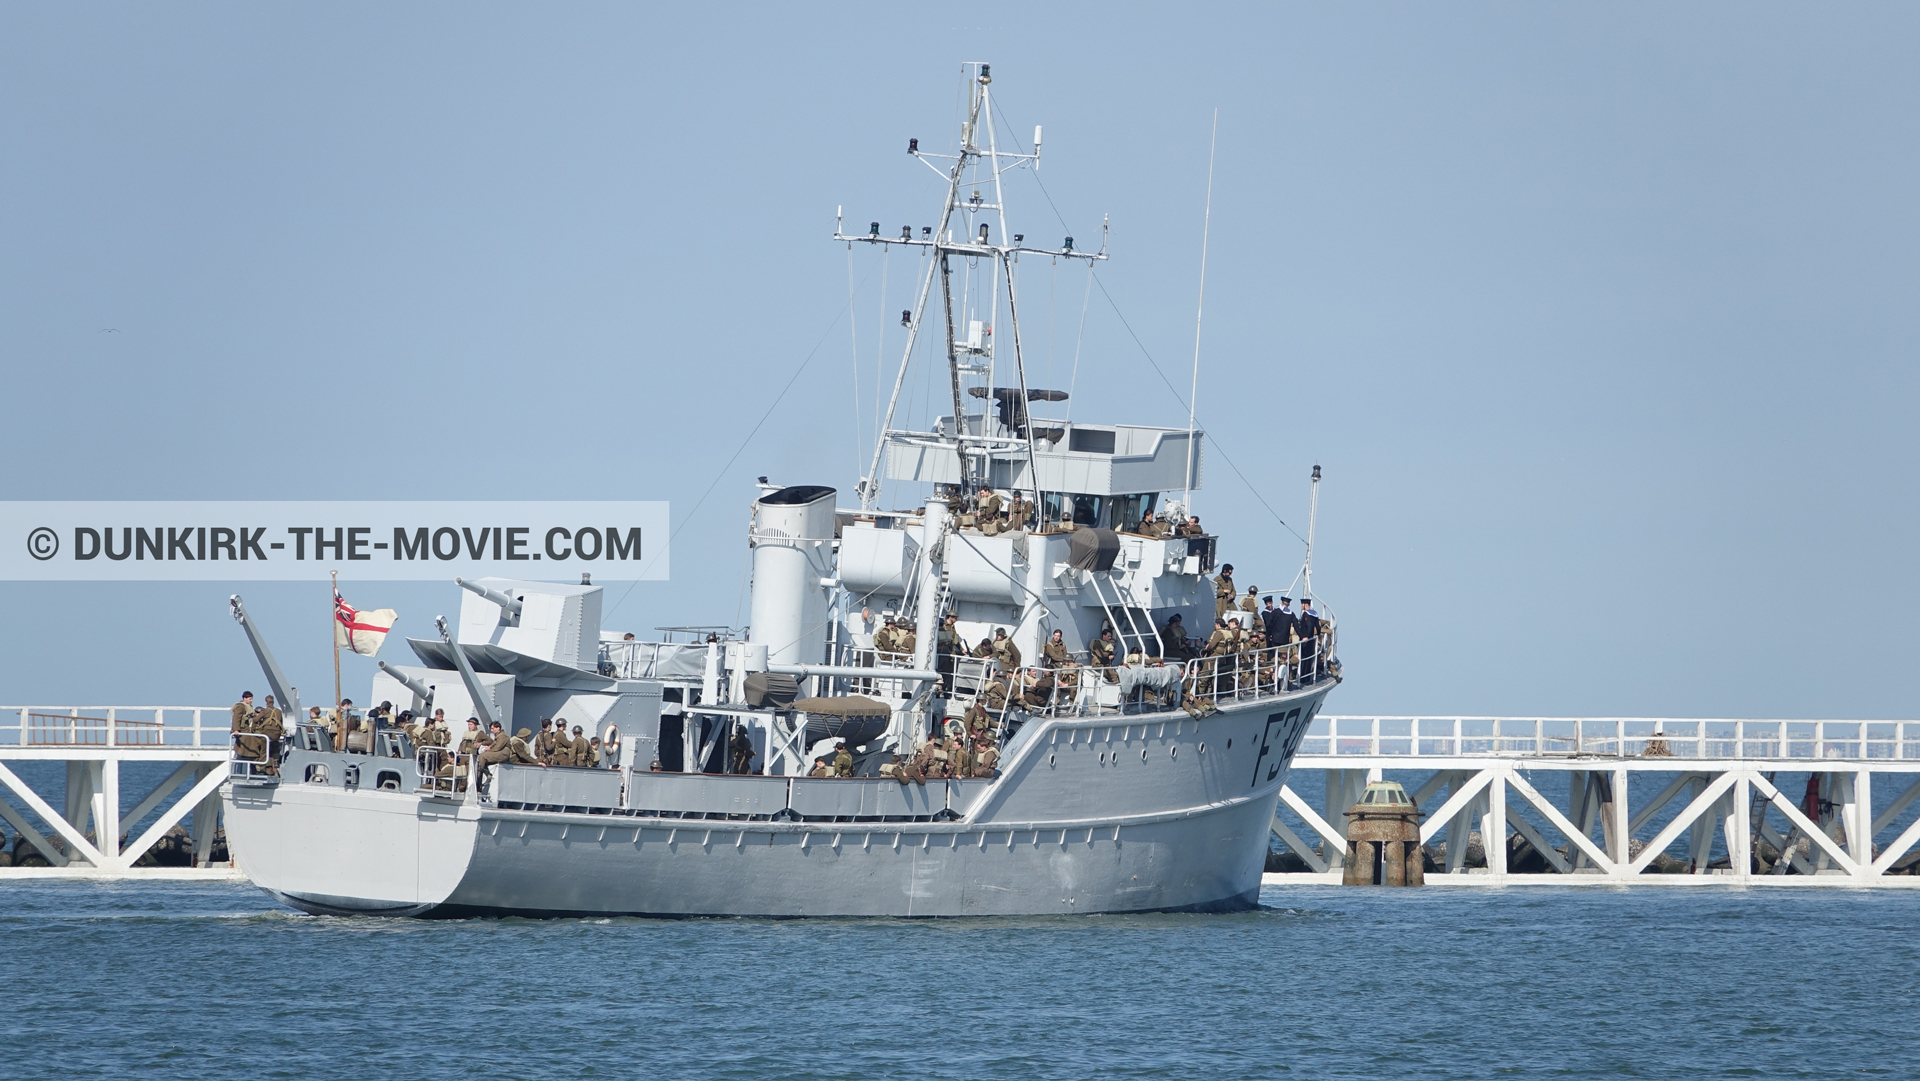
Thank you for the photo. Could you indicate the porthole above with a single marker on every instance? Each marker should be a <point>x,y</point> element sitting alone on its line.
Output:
<point>1229,743</point>
<point>1143,754</point>
<point>1173,753</point>
<point>1203,748</point>
<point>1049,760</point>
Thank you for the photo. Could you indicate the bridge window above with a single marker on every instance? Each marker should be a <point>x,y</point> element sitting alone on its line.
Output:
<point>1090,441</point>
<point>1130,511</point>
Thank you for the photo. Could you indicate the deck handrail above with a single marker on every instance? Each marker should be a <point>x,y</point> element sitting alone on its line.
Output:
<point>1611,737</point>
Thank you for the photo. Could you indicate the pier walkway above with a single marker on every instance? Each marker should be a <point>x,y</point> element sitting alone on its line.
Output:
<point>1601,800</point>
<point>184,750</point>
<point>1591,801</point>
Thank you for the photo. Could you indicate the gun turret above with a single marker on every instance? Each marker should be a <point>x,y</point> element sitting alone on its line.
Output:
<point>509,607</point>
<point>423,694</point>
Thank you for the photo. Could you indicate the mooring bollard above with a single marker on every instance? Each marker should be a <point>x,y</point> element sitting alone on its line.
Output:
<point>1383,839</point>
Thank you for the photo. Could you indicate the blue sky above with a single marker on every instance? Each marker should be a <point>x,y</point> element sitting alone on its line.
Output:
<point>1600,319</point>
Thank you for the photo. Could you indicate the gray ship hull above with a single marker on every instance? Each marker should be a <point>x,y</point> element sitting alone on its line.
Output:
<point>1090,815</point>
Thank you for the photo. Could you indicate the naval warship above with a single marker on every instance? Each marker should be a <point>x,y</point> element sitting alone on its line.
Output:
<point>1141,779</point>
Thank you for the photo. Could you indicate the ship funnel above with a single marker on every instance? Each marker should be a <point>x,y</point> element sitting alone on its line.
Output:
<point>792,541</point>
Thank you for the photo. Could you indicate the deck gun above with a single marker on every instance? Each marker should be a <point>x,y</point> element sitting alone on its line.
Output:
<point>422,694</point>
<point>509,608</point>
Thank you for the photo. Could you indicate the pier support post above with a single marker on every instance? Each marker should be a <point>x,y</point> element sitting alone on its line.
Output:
<point>205,816</point>
<point>1740,828</point>
<point>1493,826</point>
<point>1860,829</point>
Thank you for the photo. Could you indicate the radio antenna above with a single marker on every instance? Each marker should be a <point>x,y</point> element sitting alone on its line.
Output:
<point>1200,310</point>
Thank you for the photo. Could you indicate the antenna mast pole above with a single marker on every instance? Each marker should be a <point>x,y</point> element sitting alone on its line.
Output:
<point>943,246</point>
<point>1200,310</point>
<point>335,637</point>
<point>1313,517</point>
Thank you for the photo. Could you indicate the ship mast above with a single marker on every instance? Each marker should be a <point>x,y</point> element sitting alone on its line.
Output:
<point>943,244</point>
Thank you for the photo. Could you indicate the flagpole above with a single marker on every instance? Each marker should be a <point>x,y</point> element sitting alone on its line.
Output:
<point>338,717</point>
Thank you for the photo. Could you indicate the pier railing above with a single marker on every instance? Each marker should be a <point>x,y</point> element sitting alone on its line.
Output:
<point>1611,737</point>
<point>124,727</point>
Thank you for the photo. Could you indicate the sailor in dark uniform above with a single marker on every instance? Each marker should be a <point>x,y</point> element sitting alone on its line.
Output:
<point>1307,626</point>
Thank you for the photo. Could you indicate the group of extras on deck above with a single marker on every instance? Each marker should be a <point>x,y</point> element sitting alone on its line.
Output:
<point>1254,648</point>
<point>1254,645</point>
<point>259,734</point>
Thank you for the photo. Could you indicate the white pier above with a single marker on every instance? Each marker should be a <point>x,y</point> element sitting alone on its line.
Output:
<point>1841,785</point>
<point>88,836</point>
<point>1735,781</point>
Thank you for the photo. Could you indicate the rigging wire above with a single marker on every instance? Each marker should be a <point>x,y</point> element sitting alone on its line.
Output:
<point>1171,389</point>
<point>853,338</point>
<point>1093,279</point>
<point>1200,308</point>
<point>718,476</point>
<point>1078,341</point>
<point>880,345</point>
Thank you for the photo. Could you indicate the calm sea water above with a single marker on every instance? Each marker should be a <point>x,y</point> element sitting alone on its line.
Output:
<point>206,982</point>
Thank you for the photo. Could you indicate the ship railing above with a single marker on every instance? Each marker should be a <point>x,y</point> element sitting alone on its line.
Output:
<point>428,762</point>
<point>1092,690</point>
<point>130,727</point>
<point>253,756</point>
<point>1614,737</point>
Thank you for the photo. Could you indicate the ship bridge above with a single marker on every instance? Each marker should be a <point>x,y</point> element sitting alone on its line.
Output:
<point>1104,462</point>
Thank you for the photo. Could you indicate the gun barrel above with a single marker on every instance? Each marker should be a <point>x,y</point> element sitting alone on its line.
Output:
<point>505,602</point>
<point>420,690</point>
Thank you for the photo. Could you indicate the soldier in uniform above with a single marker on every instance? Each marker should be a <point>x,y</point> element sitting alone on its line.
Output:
<point>1054,654</point>
<point>1191,528</point>
<point>995,692</point>
<point>959,757</point>
<point>1036,689</point>
<point>987,510</point>
<point>273,726</point>
<point>518,753</point>
<point>911,770</point>
<point>820,768</point>
<point>1173,640</point>
<point>892,768</point>
<point>1018,511</point>
<point>986,758</point>
<point>977,720</point>
<point>883,638</point>
<point>742,746</point>
<point>1251,602</point>
<point>842,760</point>
<point>543,743</point>
<point>946,646</point>
<point>984,649</point>
<point>562,752</point>
<point>931,758</point>
<point>1224,591</point>
<point>1220,644</point>
<point>243,722</point>
<point>1005,651</point>
<point>583,753</point>
<point>1100,652</point>
<point>498,747</point>
<point>905,641</point>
